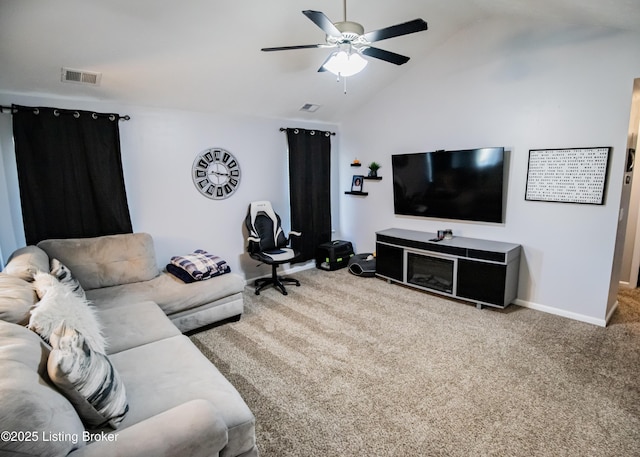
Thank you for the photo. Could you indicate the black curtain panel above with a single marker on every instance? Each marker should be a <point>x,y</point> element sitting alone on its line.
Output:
<point>310,189</point>
<point>70,173</point>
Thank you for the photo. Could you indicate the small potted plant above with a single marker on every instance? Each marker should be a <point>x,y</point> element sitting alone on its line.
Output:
<point>373,169</point>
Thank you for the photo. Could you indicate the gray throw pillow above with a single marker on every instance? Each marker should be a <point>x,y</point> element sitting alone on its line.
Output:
<point>87,378</point>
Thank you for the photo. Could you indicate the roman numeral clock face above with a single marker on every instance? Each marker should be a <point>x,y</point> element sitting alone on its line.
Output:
<point>216,173</point>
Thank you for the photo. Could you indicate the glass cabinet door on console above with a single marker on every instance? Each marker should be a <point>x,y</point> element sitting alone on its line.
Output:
<point>431,272</point>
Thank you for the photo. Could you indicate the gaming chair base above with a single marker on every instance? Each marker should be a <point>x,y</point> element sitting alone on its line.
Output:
<point>276,281</point>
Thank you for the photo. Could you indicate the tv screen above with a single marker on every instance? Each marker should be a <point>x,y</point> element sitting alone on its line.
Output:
<point>463,185</point>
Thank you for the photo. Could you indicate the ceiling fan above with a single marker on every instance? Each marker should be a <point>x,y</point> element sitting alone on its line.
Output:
<point>351,41</point>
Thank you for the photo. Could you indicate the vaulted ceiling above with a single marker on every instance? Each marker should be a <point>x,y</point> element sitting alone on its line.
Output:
<point>204,55</point>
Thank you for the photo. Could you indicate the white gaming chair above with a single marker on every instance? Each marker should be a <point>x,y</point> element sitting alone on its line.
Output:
<point>268,244</point>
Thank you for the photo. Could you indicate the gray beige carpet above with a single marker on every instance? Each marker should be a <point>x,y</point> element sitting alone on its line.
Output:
<point>359,367</point>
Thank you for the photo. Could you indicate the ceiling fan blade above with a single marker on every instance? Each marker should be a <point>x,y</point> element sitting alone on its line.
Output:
<point>387,56</point>
<point>302,46</point>
<point>323,22</point>
<point>417,25</point>
<point>322,68</point>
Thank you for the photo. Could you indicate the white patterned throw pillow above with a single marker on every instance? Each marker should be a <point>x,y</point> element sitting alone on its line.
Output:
<point>58,302</point>
<point>60,271</point>
<point>87,378</point>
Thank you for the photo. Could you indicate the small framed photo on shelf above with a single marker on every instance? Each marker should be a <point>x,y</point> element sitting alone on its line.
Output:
<point>356,183</point>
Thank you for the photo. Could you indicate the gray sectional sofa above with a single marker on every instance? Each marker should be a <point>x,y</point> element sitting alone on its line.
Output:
<point>121,269</point>
<point>179,404</point>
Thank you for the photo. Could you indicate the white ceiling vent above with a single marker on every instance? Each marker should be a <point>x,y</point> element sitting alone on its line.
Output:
<point>91,78</point>
<point>309,107</point>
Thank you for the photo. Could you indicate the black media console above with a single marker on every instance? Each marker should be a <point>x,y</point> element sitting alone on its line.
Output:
<point>481,271</point>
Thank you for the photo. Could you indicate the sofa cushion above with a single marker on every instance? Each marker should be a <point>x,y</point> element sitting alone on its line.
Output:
<point>29,403</point>
<point>192,429</point>
<point>189,376</point>
<point>59,303</point>
<point>86,378</point>
<point>171,294</point>
<point>106,260</point>
<point>17,297</point>
<point>27,261</point>
<point>133,325</point>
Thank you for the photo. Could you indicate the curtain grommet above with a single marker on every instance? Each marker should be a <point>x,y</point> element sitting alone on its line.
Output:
<point>56,112</point>
<point>112,117</point>
<point>76,114</point>
<point>94,116</point>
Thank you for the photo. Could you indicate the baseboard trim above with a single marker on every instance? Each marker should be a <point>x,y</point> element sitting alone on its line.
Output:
<point>305,266</point>
<point>611,311</point>
<point>285,271</point>
<point>564,313</point>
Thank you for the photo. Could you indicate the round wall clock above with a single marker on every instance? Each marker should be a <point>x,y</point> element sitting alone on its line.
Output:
<point>216,173</point>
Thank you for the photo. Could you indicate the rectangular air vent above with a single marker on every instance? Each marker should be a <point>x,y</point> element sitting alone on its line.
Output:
<point>81,77</point>
<point>309,107</point>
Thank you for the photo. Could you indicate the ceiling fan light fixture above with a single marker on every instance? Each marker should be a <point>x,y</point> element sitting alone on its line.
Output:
<point>342,63</point>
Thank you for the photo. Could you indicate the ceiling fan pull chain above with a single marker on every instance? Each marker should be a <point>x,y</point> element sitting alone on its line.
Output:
<point>345,86</point>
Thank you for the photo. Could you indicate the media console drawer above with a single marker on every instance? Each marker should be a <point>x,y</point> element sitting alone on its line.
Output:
<point>481,271</point>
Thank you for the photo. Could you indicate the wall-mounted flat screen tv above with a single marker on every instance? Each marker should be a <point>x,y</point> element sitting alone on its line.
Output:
<point>460,185</point>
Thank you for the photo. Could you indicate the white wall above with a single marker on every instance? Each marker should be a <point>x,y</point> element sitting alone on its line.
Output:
<point>522,86</point>
<point>158,149</point>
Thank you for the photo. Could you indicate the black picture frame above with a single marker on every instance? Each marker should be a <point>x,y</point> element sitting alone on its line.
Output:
<point>356,183</point>
<point>572,175</point>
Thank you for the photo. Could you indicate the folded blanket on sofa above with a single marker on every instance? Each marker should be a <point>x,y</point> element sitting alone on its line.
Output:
<point>197,266</point>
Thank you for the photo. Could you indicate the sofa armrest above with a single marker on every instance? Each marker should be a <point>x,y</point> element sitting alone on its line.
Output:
<point>194,428</point>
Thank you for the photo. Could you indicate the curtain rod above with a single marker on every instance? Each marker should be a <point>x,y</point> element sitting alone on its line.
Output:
<point>284,129</point>
<point>76,113</point>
